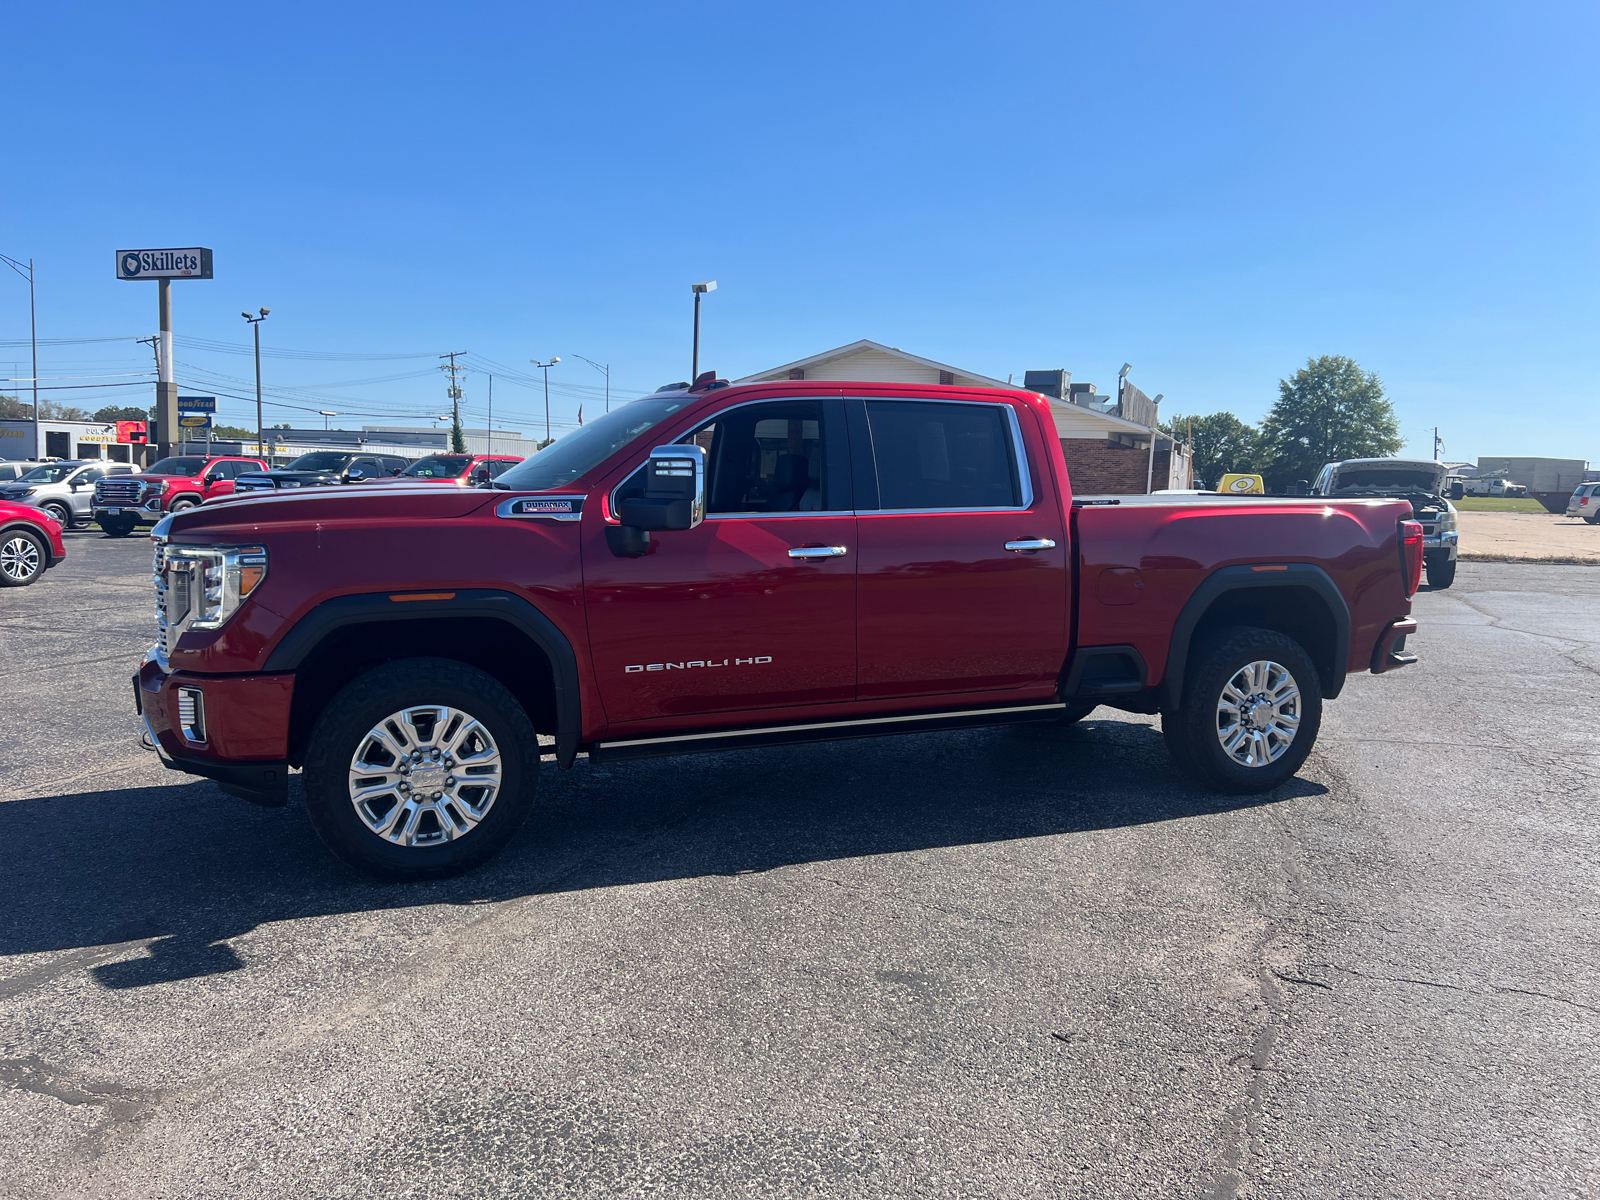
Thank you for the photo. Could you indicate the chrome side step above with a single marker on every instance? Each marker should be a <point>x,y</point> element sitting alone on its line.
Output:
<point>818,731</point>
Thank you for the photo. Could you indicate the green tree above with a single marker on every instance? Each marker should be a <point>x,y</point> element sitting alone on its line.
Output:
<point>12,409</point>
<point>233,433</point>
<point>113,412</point>
<point>458,439</point>
<point>1222,443</point>
<point>1330,410</point>
<point>52,410</point>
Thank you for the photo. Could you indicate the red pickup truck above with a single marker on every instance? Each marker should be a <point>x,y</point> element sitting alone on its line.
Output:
<point>169,486</point>
<point>724,567</point>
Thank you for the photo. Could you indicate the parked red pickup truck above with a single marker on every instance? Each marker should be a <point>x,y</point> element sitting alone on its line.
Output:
<point>171,485</point>
<point>725,567</point>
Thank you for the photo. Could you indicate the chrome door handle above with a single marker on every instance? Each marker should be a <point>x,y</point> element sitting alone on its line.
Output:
<point>1029,545</point>
<point>810,552</point>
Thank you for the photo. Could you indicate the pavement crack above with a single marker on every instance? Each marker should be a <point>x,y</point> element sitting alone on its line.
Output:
<point>1491,990</point>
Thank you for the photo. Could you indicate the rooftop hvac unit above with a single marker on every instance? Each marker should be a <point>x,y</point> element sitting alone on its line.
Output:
<point>1048,383</point>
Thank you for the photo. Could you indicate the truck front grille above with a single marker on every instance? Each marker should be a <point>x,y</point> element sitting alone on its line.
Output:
<point>118,490</point>
<point>246,483</point>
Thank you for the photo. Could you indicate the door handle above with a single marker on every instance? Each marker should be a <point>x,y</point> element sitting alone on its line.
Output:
<point>1030,545</point>
<point>814,552</point>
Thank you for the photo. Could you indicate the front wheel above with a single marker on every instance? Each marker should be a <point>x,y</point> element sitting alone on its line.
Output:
<point>1250,712</point>
<point>420,768</point>
<point>60,512</point>
<point>22,558</point>
<point>1441,572</point>
<point>182,504</point>
<point>118,527</point>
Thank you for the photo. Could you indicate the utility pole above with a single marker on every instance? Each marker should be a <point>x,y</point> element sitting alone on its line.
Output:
<point>491,414</point>
<point>606,371</point>
<point>1437,444</point>
<point>699,289</point>
<point>255,327</point>
<point>545,367</point>
<point>33,325</point>
<point>458,440</point>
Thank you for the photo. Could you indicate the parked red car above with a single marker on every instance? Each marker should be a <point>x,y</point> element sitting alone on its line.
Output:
<point>30,543</point>
<point>170,485</point>
<point>725,567</point>
<point>463,470</point>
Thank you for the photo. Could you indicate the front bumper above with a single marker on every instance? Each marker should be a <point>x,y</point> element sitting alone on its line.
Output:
<point>1444,541</point>
<point>245,736</point>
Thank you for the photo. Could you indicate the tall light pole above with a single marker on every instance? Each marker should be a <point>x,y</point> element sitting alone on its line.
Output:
<point>606,371</point>
<point>545,367</point>
<point>325,414</point>
<point>699,289</point>
<point>255,327</point>
<point>33,325</point>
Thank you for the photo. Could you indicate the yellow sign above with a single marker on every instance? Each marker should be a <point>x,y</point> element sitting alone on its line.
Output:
<point>1243,485</point>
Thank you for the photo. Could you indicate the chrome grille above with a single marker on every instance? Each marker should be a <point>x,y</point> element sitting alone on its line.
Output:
<point>246,483</point>
<point>159,571</point>
<point>118,489</point>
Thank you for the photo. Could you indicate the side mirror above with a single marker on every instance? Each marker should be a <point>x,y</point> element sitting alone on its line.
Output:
<point>356,475</point>
<point>674,498</point>
<point>674,491</point>
<point>396,470</point>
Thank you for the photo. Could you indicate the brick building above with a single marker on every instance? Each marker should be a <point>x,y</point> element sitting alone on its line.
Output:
<point>1106,452</point>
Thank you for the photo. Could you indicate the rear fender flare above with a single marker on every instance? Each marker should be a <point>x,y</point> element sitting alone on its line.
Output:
<point>366,608</point>
<point>1241,578</point>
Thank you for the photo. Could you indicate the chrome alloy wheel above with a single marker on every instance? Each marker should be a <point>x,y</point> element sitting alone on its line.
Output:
<point>425,775</point>
<point>19,558</point>
<point>1258,713</point>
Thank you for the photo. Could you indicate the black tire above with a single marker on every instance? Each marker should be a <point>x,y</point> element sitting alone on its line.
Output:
<point>182,503</point>
<point>1192,731</point>
<point>343,731</point>
<point>1441,573</point>
<point>60,512</point>
<point>1594,520</point>
<point>118,527</point>
<point>23,556</point>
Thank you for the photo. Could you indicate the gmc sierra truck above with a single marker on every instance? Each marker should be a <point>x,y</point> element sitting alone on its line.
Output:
<point>721,567</point>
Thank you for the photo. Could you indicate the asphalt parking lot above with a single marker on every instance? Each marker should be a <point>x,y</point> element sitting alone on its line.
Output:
<point>1020,963</point>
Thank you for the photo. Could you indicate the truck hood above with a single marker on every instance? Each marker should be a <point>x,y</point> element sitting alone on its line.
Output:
<point>1380,477</point>
<point>302,478</point>
<point>336,503</point>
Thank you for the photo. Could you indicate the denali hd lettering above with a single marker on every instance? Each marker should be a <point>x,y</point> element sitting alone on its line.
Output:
<point>911,558</point>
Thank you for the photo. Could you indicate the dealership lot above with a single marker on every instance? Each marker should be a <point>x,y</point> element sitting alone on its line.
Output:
<point>1015,962</point>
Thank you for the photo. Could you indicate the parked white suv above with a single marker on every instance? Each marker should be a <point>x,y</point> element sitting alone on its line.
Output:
<point>65,489</point>
<point>1585,503</point>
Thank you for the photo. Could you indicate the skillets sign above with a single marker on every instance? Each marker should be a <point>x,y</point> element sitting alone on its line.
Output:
<point>191,263</point>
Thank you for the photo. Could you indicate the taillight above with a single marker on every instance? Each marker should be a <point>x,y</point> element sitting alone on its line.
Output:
<point>1411,555</point>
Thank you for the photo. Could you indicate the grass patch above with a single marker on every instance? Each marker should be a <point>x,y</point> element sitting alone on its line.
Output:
<point>1525,504</point>
<point>1547,560</point>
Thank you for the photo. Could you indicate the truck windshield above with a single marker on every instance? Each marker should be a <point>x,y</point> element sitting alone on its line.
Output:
<point>177,466</point>
<point>320,461</point>
<point>437,468</point>
<point>52,472</point>
<point>587,447</point>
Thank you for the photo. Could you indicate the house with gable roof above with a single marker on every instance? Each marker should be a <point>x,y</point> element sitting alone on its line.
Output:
<point>1106,451</point>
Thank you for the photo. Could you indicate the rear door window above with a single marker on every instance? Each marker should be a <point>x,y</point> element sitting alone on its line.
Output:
<point>933,456</point>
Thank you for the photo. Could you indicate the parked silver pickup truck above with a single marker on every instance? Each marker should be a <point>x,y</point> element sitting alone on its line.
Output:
<point>66,489</point>
<point>1422,482</point>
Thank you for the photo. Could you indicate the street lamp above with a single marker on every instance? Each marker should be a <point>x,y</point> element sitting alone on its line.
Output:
<point>325,414</point>
<point>605,370</point>
<point>545,367</point>
<point>699,289</point>
<point>255,325</point>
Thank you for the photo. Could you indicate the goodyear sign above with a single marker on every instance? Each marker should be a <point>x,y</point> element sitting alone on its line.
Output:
<point>191,263</point>
<point>195,420</point>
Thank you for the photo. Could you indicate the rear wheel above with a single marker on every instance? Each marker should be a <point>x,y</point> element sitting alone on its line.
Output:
<point>118,526</point>
<point>420,768</point>
<point>1441,572</point>
<point>22,558</point>
<point>1251,708</point>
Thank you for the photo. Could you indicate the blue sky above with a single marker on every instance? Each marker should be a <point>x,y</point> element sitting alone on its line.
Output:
<point>1211,192</point>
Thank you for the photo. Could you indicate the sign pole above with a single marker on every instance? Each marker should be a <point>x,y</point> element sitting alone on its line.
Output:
<point>166,389</point>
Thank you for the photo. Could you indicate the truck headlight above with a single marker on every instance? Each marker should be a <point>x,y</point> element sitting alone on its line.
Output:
<point>220,578</point>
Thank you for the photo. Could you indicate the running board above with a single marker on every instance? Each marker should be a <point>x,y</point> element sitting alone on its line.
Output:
<point>818,731</point>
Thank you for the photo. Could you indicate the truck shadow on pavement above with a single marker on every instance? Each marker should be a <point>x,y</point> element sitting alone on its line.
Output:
<point>148,885</point>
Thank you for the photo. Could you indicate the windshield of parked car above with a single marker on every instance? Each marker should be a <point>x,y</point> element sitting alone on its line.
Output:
<point>1418,477</point>
<point>322,460</point>
<point>178,466</point>
<point>590,445</point>
<point>437,467</point>
<point>52,472</point>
